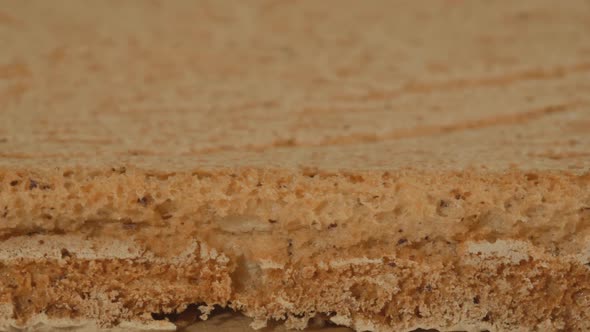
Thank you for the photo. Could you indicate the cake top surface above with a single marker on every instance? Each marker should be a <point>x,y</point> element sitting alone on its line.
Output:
<point>361,85</point>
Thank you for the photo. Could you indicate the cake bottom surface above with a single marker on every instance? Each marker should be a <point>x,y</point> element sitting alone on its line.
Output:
<point>505,285</point>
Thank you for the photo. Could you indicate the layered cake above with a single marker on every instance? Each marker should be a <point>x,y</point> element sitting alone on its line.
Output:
<point>379,165</point>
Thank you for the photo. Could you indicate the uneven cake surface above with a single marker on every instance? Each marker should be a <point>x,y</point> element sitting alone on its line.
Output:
<point>382,165</point>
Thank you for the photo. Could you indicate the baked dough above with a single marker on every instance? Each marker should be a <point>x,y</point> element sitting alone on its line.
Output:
<point>381,165</point>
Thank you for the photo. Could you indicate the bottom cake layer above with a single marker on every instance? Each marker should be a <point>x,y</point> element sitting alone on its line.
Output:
<point>473,286</point>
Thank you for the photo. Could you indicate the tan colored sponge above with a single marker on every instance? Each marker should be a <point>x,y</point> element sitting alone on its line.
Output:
<point>381,165</point>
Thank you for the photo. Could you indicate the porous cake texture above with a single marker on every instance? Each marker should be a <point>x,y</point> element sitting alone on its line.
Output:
<point>381,165</point>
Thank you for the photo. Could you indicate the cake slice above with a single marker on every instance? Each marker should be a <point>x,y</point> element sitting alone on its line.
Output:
<point>383,166</point>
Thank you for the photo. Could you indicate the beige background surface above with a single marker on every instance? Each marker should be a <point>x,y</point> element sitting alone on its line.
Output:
<point>175,85</point>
